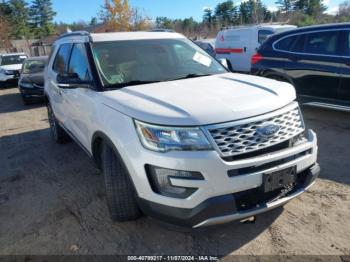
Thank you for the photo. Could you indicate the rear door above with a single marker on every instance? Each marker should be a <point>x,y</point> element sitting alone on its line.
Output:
<point>314,64</point>
<point>236,46</point>
<point>59,66</point>
<point>344,91</point>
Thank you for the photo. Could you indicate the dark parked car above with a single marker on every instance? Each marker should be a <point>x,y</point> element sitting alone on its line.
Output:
<point>31,82</point>
<point>316,60</point>
<point>208,46</point>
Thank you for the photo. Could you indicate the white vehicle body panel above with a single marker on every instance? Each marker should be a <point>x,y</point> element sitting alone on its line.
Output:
<point>3,76</point>
<point>229,96</point>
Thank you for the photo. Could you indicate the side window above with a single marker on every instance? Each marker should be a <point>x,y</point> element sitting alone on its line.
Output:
<point>299,44</point>
<point>286,44</point>
<point>61,59</point>
<point>324,43</point>
<point>78,62</point>
<point>263,35</point>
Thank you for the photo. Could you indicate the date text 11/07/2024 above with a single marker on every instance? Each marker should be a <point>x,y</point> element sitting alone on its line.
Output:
<point>173,258</point>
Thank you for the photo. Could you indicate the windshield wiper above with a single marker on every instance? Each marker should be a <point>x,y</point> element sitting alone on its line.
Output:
<point>192,76</point>
<point>131,83</point>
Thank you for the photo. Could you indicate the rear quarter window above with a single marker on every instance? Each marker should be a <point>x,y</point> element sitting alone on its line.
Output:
<point>324,43</point>
<point>285,44</point>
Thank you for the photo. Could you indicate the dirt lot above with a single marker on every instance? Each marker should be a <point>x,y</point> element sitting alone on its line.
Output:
<point>52,200</point>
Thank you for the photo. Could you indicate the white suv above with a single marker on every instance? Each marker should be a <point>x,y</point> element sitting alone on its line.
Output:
<point>10,67</point>
<point>176,135</point>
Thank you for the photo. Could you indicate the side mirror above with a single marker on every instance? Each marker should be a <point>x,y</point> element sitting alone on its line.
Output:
<point>71,81</point>
<point>224,62</point>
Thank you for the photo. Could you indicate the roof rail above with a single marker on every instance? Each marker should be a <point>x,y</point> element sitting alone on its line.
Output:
<point>76,33</point>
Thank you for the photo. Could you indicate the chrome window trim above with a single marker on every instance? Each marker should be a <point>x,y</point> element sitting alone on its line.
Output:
<point>206,129</point>
<point>309,32</point>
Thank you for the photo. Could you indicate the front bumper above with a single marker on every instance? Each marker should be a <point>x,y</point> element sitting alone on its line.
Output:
<point>31,93</point>
<point>224,209</point>
<point>9,79</point>
<point>215,199</point>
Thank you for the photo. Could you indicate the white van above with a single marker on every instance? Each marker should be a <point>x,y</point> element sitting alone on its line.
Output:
<point>238,44</point>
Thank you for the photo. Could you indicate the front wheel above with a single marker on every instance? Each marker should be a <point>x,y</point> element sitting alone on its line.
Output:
<point>57,132</point>
<point>120,192</point>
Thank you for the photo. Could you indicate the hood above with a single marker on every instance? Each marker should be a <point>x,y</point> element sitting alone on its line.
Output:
<point>201,101</point>
<point>12,67</point>
<point>37,78</point>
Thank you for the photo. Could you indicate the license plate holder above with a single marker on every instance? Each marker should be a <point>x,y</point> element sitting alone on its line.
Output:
<point>275,180</point>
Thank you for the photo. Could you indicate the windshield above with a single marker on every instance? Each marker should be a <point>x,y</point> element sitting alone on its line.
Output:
<point>34,66</point>
<point>140,61</point>
<point>12,59</point>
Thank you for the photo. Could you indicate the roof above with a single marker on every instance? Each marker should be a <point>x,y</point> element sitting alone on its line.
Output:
<point>11,54</point>
<point>273,26</point>
<point>326,26</point>
<point>120,36</point>
<point>38,58</point>
<point>306,29</point>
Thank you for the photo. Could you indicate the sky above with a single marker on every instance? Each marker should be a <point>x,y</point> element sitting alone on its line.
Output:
<point>74,10</point>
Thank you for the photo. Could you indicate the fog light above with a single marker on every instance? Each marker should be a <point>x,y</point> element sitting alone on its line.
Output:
<point>161,184</point>
<point>299,139</point>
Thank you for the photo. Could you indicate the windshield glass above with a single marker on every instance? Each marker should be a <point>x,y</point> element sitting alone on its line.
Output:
<point>12,59</point>
<point>34,66</point>
<point>137,61</point>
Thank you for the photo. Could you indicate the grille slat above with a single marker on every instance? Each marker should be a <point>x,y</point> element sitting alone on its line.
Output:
<point>233,139</point>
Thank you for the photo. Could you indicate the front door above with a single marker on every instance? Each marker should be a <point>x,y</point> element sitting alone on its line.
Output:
<point>78,100</point>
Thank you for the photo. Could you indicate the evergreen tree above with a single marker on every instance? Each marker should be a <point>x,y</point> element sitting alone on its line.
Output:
<point>310,7</point>
<point>93,21</point>
<point>19,18</point>
<point>41,18</point>
<point>208,15</point>
<point>226,13</point>
<point>164,23</point>
<point>285,6</point>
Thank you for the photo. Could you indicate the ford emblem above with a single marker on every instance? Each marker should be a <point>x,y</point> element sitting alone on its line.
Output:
<point>268,130</point>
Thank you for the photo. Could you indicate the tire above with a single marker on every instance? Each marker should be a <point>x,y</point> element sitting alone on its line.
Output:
<point>26,101</point>
<point>120,191</point>
<point>57,132</point>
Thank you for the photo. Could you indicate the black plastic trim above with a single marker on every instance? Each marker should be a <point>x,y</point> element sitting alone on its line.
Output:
<point>213,207</point>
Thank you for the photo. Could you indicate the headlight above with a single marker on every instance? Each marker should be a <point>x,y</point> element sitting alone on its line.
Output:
<point>164,139</point>
<point>26,85</point>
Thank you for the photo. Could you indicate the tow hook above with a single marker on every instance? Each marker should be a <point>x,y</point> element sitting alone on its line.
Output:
<point>249,220</point>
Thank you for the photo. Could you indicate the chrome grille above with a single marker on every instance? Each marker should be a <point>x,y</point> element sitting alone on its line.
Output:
<point>234,139</point>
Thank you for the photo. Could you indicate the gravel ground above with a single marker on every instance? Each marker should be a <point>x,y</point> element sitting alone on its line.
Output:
<point>52,200</point>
